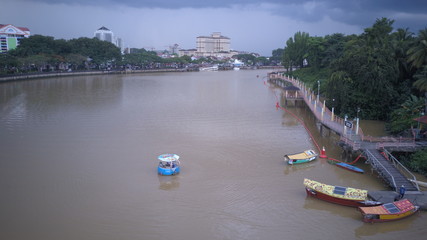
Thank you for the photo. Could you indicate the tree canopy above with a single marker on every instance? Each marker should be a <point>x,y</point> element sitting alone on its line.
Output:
<point>376,71</point>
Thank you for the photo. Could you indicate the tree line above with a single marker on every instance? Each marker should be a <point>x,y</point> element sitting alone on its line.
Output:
<point>372,74</point>
<point>44,53</point>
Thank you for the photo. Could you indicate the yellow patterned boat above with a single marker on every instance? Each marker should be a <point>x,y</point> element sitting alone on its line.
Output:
<point>346,196</point>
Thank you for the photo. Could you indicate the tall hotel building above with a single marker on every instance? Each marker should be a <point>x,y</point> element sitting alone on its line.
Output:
<point>10,36</point>
<point>216,43</point>
<point>105,34</point>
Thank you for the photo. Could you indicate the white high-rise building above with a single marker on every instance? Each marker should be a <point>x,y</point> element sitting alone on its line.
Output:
<point>105,34</point>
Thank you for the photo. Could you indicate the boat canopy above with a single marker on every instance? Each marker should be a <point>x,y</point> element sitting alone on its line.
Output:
<point>168,157</point>
<point>337,191</point>
<point>389,208</point>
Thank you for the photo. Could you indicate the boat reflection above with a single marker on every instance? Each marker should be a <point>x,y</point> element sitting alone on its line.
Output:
<point>299,167</point>
<point>344,211</point>
<point>368,229</point>
<point>168,183</point>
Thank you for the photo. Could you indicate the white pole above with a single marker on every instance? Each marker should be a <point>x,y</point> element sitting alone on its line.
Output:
<point>345,120</point>
<point>323,108</point>
<point>357,126</point>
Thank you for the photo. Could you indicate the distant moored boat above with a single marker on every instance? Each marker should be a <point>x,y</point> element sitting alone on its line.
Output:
<point>306,156</point>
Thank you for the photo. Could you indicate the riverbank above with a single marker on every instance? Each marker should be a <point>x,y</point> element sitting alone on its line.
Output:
<point>79,73</point>
<point>20,77</point>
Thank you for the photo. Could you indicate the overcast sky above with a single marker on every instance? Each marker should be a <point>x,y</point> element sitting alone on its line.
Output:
<point>252,25</point>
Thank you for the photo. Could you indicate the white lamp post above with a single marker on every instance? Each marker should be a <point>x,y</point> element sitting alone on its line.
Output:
<point>318,90</point>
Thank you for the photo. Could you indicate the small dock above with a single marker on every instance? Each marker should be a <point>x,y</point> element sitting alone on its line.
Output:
<point>417,198</point>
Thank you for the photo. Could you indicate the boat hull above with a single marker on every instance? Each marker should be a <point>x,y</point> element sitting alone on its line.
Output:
<point>299,161</point>
<point>297,158</point>
<point>340,201</point>
<point>349,167</point>
<point>372,218</point>
<point>168,171</point>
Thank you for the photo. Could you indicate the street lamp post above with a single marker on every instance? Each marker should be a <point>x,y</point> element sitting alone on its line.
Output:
<point>318,90</point>
<point>345,121</point>
<point>333,106</point>
<point>357,120</point>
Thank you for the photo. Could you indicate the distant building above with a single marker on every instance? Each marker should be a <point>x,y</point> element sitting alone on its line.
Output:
<point>10,36</point>
<point>105,34</point>
<point>213,44</point>
<point>187,52</point>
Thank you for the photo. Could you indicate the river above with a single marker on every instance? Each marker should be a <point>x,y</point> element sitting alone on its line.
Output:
<point>78,158</point>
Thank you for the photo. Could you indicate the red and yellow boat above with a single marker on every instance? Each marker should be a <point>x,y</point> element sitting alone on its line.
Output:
<point>389,211</point>
<point>346,196</point>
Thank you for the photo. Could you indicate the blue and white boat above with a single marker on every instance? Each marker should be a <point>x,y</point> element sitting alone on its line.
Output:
<point>169,164</point>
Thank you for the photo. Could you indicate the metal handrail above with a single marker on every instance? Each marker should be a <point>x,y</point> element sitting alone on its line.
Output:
<point>379,163</point>
<point>395,161</point>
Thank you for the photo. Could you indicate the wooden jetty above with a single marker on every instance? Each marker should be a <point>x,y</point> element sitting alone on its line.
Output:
<point>373,148</point>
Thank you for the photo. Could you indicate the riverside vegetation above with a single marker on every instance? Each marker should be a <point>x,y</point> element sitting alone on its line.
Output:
<point>380,74</point>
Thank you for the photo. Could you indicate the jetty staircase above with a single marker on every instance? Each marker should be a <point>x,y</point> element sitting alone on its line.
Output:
<point>373,148</point>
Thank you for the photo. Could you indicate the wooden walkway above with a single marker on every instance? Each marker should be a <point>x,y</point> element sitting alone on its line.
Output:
<point>374,148</point>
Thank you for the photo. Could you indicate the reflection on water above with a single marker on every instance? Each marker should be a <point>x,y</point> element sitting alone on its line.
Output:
<point>168,182</point>
<point>331,208</point>
<point>396,227</point>
<point>297,167</point>
<point>78,160</point>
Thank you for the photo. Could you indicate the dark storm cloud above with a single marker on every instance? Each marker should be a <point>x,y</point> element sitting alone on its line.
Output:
<point>357,12</point>
<point>415,6</point>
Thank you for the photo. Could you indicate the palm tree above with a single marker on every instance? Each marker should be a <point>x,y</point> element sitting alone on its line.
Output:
<point>418,59</point>
<point>418,53</point>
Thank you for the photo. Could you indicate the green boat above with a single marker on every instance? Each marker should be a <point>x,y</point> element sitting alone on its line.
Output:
<point>306,156</point>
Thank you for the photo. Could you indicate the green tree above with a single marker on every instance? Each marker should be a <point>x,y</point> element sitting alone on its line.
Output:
<point>419,161</point>
<point>316,48</point>
<point>418,60</point>
<point>8,63</point>
<point>418,52</point>
<point>333,49</point>
<point>277,56</point>
<point>403,117</point>
<point>35,44</point>
<point>76,60</point>
<point>100,52</point>
<point>369,60</point>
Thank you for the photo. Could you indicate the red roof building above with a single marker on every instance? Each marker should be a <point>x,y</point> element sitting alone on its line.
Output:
<point>11,35</point>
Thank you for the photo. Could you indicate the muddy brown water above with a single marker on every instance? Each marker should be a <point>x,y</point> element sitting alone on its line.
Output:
<point>78,159</point>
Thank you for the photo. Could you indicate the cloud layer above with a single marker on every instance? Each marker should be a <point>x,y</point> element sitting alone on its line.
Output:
<point>253,25</point>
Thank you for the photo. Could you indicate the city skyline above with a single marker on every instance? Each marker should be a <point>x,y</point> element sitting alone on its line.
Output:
<point>258,26</point>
